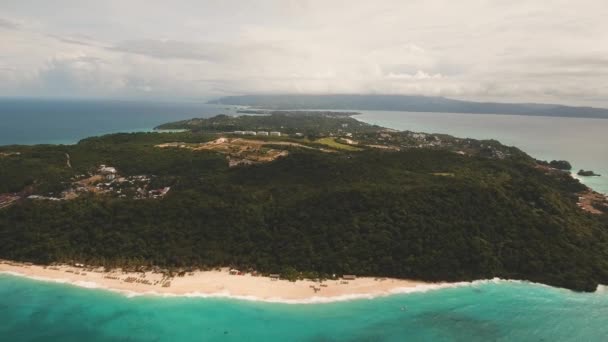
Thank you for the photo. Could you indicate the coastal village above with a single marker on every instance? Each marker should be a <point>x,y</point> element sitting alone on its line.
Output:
<point>105,180</point>
<point>108,181</point>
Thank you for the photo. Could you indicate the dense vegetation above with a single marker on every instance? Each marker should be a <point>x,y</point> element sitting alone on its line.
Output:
<point>560,165</point>
<point>285,122</point>
<point>419,213</point>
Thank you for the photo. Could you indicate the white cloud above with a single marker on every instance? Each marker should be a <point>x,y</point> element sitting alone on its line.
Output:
<point>549,50</point>
<point>419,75</point>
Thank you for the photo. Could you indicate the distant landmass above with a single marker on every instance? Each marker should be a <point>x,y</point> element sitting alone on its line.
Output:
<point>408,103</point>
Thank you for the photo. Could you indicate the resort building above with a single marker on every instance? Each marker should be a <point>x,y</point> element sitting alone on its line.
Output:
<point>107,169</point>
<point>275,134</point>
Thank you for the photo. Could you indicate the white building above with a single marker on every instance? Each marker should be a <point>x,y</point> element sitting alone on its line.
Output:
<point>107,169</point>
<point>275,134</point>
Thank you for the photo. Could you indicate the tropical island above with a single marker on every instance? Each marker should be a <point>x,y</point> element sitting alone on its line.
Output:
<point>299,195</point>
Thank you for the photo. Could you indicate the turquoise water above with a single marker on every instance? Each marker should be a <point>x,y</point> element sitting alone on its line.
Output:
<point>583,142</point>
<point>507,311</point>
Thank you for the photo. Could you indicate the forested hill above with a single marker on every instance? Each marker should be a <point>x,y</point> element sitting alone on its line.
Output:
<point>408,104</point>
<point>313,123</point>
<point>372,202</point>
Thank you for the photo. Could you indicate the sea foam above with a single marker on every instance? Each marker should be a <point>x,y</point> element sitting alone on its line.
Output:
<point>310,300</point>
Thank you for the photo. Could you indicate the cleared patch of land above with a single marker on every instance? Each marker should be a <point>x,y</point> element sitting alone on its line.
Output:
<point>590,201</point>
<point>8,154</point>
<point>443,174</point>
<point>331,142</point>
<point>90,180</point>
<point>242,151</point>
<point>385,147</point>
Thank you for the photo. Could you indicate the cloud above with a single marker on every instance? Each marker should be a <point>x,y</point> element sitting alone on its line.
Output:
<point>89,75</point>
<point>536,50</point>
<point>419,75</point>
<point>171,49</point>
<point>8,24</point>
<point>73,40</point>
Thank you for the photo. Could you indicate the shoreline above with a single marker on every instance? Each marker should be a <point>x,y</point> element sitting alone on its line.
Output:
<point>220,284</point>
<point>223,285</point>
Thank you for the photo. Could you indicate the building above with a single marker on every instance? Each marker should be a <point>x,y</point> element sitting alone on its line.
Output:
<point>160,192</point>
<point>349,277</point>
<point>419,135</point>
<point>275,134</point>
<point>263,133</point>
<point>107,169</point>
<point>239,132</point>
<point>250,133</point>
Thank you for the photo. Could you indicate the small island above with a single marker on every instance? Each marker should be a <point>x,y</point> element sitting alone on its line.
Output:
<point>304,197</point>
<point>587,173</point>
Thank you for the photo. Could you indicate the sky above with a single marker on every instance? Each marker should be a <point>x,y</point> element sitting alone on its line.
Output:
<point>550,51</point>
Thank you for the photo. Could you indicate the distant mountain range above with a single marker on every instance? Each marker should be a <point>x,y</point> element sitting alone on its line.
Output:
<point>408,103</point>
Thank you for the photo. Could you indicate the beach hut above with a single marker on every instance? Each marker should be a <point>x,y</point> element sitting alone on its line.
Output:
<point>349,277</point>
<point>274,276</point>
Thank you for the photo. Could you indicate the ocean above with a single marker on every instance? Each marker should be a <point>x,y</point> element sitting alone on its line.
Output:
<point>28,122</point>
<point>482,311</point>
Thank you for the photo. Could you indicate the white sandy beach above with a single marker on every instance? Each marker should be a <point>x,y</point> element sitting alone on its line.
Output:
<point>218,284</point>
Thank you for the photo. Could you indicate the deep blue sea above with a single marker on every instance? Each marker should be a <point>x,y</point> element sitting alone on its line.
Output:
<point>27,121</point>
<point>488,311</point>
